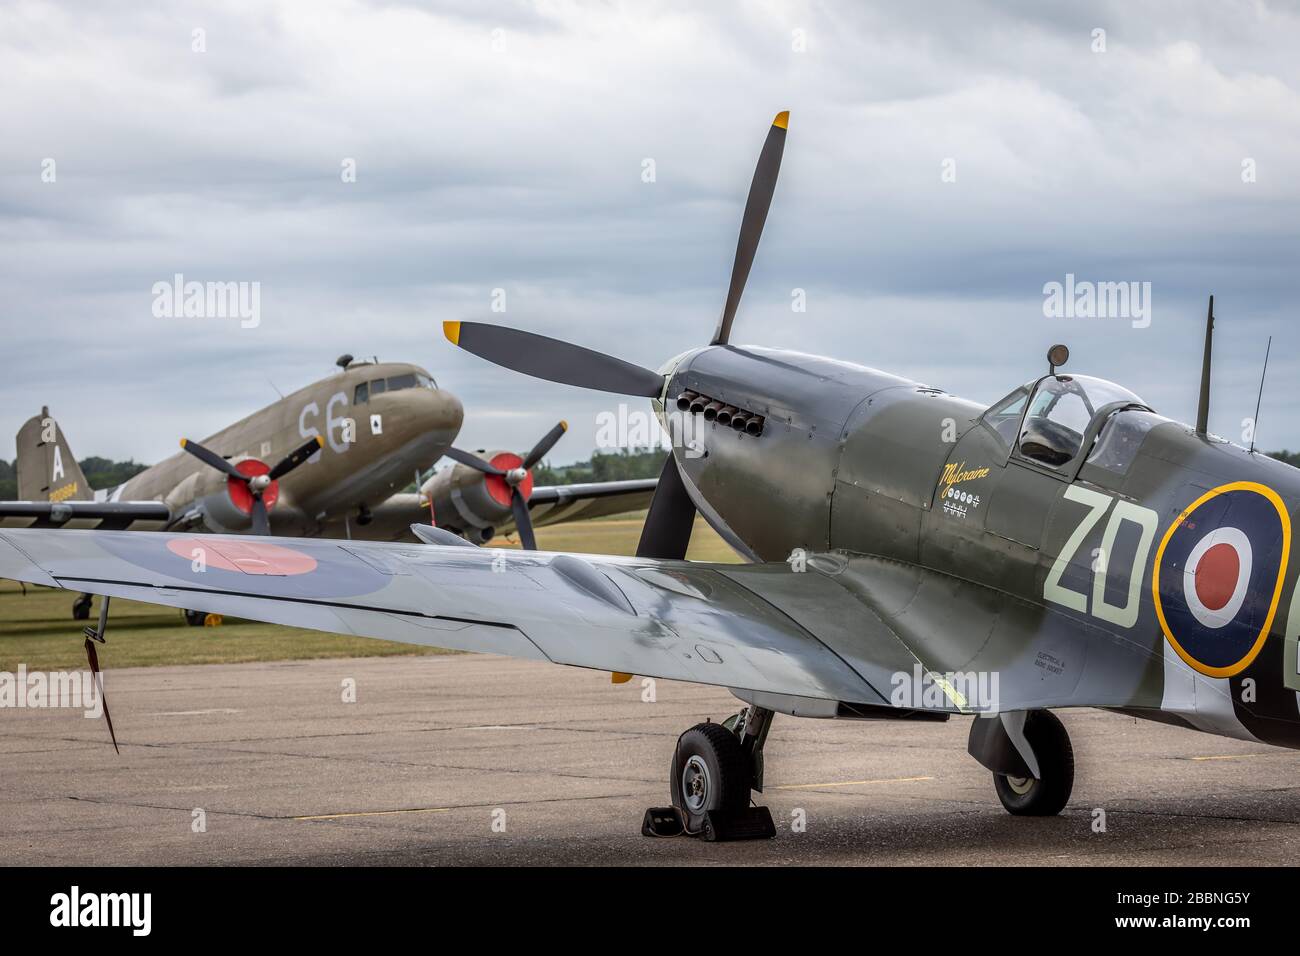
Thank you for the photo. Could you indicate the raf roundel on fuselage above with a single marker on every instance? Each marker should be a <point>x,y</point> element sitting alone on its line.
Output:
<point>1218,576</point>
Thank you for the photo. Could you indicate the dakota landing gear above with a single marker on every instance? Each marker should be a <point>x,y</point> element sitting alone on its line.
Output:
<point>714,767</point>
<point>81,607</point>
<point>1031,759</point>
<point>202,619</point>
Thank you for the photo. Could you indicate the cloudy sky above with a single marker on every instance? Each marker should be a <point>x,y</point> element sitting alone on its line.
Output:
<point>945,160</point>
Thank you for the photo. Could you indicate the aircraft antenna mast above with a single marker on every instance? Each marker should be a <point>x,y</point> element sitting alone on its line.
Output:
<point>1203,408</point>
<point>1254,422</point>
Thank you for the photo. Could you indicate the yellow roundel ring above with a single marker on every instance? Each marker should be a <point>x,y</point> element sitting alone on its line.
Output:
<point>1285,519</point>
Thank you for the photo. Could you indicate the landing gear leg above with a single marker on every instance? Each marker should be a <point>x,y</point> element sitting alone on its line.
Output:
<point>751,727</point>
<point>81,607</point>
<point>713,769</point>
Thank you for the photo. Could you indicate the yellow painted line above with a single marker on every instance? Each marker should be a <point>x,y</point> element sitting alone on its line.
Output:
<point>373,813</point>
<point>1230,756</point>
<point>848,783</point>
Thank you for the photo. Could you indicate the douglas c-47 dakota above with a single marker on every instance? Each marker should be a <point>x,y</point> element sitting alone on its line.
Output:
<point>328,460</point>
<point>912,556</point>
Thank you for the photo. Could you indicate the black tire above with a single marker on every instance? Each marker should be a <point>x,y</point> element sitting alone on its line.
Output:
<point>712,759</point>
<point>1027,797</point>
<point>195,618</point>
<point>81,608</point>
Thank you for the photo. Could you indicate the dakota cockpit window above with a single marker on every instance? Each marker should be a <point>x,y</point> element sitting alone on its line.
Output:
<point>394,383</point>
<point>1060,412</point>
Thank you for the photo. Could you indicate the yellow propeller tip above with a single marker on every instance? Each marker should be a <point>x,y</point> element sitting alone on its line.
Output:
<point>452,331</point>
<point>782,119</point>
<point>320,442</point>
<point>183,442</point>
<point>617,677</point>
<point>564,426</point>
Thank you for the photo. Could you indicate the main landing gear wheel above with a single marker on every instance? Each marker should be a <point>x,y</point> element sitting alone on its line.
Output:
<point>81,607</point>
<point>710,772</point>
<point>202,619</point>
<point>1047,796</point>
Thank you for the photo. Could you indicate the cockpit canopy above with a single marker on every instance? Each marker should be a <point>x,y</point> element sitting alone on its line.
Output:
<point>1048,421</point>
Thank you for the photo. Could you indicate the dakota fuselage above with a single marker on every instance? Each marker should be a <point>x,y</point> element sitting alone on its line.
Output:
<point>374,443</point>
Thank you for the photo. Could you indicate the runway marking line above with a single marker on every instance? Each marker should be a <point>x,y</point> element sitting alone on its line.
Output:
<point>848,783</point>
<point>1229,757</point>
<point>373,813</point>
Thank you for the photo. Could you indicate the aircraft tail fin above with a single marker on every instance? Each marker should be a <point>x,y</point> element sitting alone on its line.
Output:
<point>47,470</point>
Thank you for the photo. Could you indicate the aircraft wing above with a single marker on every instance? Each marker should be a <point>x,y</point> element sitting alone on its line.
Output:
<point>671,619</point>
<point>555,504</point>
<point>104,515</point>
<point>834,635</point>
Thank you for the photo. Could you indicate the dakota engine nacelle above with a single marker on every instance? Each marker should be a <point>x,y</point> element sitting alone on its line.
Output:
<point>467,501</point>
<point>239,495</point>
<point>226,504</point>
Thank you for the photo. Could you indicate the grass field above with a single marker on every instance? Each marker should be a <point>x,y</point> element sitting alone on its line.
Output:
<point>37,629</point>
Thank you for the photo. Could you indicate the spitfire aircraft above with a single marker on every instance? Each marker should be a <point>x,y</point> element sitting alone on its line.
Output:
<point>339,451</point>
<point>912,556</point>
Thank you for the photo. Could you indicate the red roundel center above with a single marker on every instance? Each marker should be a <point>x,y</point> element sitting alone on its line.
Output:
<point>240,496</point>
<point>498,487</point>
<point>253,556</point>
<point>1216,576</point>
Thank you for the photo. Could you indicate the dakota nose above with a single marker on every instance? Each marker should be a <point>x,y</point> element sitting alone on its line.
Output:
<point>437,413</point>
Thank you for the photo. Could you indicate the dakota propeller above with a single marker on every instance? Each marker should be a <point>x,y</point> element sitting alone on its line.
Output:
<point>667,530</point>
<point>514,478</point>
<point>253,486</point>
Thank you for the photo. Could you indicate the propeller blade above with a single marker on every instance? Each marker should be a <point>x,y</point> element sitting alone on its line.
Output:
<point>212,458</point>
<point>92,659</point>
<point>295,458</point>
<point>553,360</point>
<point>474,461</point>
<point>667,529</point>
<point>523,520</point>
<point>751,225</point>
<point>546,444</point>
<point>261,520</point>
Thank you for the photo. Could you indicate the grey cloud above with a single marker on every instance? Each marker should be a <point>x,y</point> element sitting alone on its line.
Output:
<point>521,169</point>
